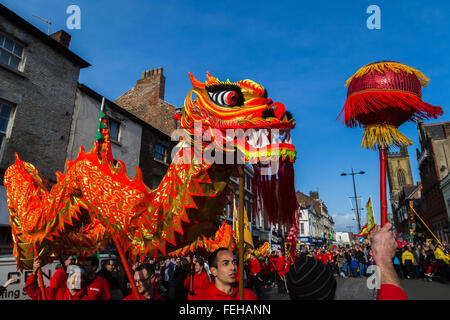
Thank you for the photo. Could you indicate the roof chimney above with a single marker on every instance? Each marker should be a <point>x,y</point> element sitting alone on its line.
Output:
<point>62,37</point>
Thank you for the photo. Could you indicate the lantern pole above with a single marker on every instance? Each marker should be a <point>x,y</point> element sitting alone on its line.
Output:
<point>383,197</point>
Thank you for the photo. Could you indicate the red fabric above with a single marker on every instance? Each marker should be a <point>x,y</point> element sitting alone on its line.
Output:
<point>212,293</point>
<point>266,268</point>
<point>318,256</point>
<point>280,266</point>
<point>99,289</point>
<point>59,279</point>
<point>199,281</point>
<point>254,267</point>
<point>282,205</point>
<point>34,292</point>
<point>156,295</point>
<point>386,107</point>
<point>391,292</point>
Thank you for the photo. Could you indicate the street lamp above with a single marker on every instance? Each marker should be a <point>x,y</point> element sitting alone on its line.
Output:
<point>354,190</point>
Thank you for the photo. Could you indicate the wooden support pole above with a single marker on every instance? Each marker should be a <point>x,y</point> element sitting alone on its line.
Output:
<point>127,268</point>
<point>241,232</point>
<point>40,277</point>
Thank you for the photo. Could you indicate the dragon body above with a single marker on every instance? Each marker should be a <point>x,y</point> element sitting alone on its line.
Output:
<point>94,200</point>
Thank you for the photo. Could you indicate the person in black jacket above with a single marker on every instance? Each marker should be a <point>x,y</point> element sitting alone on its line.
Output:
<point>175,282</point>
<point>359,255</point>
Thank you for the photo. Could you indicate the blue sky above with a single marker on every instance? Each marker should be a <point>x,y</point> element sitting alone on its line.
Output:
<point>301,51</point>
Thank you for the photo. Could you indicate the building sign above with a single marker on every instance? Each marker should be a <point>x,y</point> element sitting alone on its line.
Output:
<point>305,239</point>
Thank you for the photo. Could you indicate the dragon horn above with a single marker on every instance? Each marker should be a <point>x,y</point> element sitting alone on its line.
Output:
<point>196,83</point>
<point>210,79</point>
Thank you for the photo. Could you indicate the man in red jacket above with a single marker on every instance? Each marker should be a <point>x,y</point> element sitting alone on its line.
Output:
<point>145,280</point>
<point>75,290</point>
<point>198,279</point>
<point>254,269</point>
<point>97,286</point>
<point>223,267</point>
<point>59,279</point>
<point>280,269</point>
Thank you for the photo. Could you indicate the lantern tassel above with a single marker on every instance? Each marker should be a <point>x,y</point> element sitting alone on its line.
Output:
<point>392,107</point>
<point>382,136</point>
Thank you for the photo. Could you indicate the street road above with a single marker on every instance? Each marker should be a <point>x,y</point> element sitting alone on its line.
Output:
<point>356,289</point>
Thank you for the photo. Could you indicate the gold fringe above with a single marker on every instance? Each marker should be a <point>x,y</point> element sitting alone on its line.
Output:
<point>394,66</point>
<point>381,136</point>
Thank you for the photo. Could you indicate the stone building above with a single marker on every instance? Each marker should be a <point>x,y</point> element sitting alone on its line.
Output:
<point>38,82</point>
<point>399,174</point>
<point>433,162</point>
<point>315,215</point>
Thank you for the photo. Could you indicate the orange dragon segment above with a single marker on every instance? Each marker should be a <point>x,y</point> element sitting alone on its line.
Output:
<point>94,200</point>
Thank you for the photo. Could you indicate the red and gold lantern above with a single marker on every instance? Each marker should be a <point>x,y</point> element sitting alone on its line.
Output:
<point>381,96</point>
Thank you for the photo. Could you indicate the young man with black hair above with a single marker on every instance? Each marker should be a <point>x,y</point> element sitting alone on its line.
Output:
<point>223,266</point>
<point>97,286</point>
<point>145,280</point>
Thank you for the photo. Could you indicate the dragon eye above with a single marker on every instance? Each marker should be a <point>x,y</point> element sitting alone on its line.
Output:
<point>225,96</point>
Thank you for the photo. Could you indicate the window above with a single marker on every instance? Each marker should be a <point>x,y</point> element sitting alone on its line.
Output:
<point>10,52</point>
<point>401,178</point>
<point>115,130</point>
<point>302,228</point>
<point>160,152</point>
<point>5,112</point>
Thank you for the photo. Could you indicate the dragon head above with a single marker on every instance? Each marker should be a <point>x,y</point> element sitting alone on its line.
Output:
<point>238,116</point>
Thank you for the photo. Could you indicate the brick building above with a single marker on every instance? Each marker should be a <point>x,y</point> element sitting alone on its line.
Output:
<point>146,101</point>
<point>405,222</point>
<point>433,162</point>
<point>46,115</point>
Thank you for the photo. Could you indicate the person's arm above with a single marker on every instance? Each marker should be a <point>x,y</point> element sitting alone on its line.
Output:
<point>6,284</point>
<point>31,285</point>
<point>383,248</point>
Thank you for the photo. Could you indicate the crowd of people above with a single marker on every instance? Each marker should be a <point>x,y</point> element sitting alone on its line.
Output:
<point>411,261</point>
<point>195,277</point>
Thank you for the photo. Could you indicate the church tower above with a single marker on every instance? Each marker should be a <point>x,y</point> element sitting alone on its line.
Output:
<point>399,173</point>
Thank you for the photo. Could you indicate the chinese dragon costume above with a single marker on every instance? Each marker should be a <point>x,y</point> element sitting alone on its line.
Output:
<point>94,200</point>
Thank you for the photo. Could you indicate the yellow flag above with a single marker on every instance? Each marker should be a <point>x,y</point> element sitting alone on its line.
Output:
<point>247,234</point>
<point>370,218</point>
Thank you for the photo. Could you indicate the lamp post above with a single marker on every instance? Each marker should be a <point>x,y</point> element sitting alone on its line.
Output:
<point>354,191</point>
